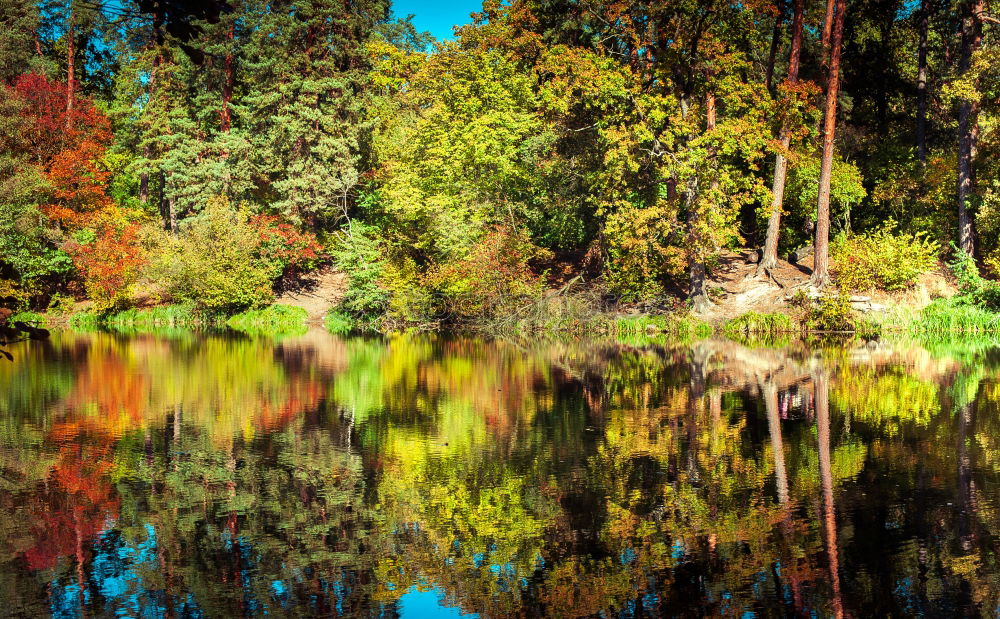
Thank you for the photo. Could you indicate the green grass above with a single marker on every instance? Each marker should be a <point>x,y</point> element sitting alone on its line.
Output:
<point>272,320</point>
<point>155,317</point>
<point>949,316</point>
<point>683,326</point>
<point>338,323</point>
<point>31,318</point>
<point>757,324</point>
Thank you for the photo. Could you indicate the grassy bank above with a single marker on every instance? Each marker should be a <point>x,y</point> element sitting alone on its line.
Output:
<point>271,320</point>
<point>943,317</point>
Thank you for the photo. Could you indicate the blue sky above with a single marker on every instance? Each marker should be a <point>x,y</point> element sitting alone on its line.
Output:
<point>437,17</point>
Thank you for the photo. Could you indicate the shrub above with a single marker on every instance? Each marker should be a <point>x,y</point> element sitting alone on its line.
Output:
<point>827,313</point>
<point>110,259</point>
<point>494,278</point>
<point>362,257</point>
<point>642,253</point>
<point>217,262</point>
<point>282,244</point>
<point>882,260</point>
<point>12,295</point>
<point>972,288</point>
<point>338,323</point>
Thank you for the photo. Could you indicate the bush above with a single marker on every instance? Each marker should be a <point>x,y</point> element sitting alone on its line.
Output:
<point>827,313</point>
<point>881,260</point>
<point>972,288</point>
<point>338,323</point>
<point>110,259</point>
<point>218,262</point>
<point>13,295</point>
<point>494,279</point>
<point>289,249</point>
<point>362,257</point>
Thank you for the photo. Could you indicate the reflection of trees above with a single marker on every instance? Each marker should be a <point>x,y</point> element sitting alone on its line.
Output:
<point>234,476</point>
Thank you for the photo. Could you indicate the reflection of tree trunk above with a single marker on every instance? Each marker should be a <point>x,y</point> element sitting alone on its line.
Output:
<point>715,410</point>
<point>826,481</point>
<point>695,396</point>
<point>770,393</point>
<point>177,433</point>
<point>81,580</point>
<point>966,485</point>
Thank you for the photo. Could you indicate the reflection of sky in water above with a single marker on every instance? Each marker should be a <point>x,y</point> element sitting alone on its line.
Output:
<point>417,604</point>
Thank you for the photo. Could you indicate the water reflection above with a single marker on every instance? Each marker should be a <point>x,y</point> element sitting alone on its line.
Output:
<point>415,476</point>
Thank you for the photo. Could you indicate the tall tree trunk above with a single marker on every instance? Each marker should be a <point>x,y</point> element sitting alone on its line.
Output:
<point>698,296</point>
<point>769,260</point>
<point>227,86</point>
<point>968,128</point>
<point>922,82</point>
<point>775,40</point>
<point>827,32</point>
<point>821,257</point>
<point>70,78</point>
<point>147,151</point>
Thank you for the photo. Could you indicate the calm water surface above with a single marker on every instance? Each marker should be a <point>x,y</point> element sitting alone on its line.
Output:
<point>193,475</point>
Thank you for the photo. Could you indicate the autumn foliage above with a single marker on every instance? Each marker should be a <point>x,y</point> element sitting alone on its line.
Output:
<point>293,249</point>
<point>111,263</point>
<point>69,146</point>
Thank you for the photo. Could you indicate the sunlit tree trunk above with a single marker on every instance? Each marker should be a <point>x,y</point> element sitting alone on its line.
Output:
<point>968,128</point>
<point>821,268</point>
<point>769,260</point>
<point>827,31</point>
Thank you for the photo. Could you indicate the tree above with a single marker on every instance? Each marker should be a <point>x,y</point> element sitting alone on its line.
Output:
<point>968,125</point>
<point>821,268</point>
<point>307,89</point>
<point>924,26</point>
<point>20,46</point>
<point>769,259</point>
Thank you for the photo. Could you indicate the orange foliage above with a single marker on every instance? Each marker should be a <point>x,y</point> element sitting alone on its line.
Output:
<point>111,263</point>
<point>282,242</point>
<point>69,145</point>
<point>76,506</point>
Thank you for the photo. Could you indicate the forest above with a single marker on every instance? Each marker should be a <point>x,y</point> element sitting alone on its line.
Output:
<point>555,156</point>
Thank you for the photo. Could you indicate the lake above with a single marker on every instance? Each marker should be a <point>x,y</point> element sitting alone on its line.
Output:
<point>211,475</point>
